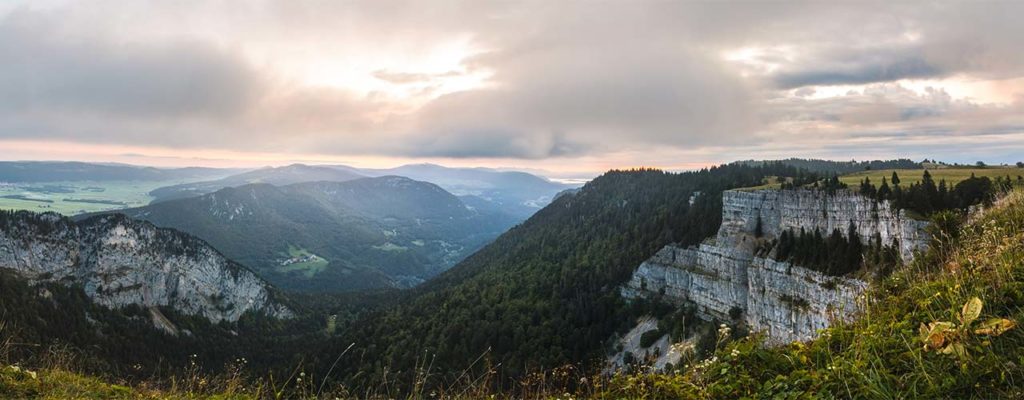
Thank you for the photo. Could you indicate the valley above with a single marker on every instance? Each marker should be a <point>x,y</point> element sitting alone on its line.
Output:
<point>511,200</point>
<point>679,272</point>
<point>365,233</point>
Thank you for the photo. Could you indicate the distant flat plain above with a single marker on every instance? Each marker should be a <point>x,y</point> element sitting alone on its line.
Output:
<point>71,198</point>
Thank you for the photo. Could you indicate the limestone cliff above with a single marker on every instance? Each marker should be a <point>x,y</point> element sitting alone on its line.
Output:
<point>781,210</point>
<point>119,261</point>
<point>723,276</point>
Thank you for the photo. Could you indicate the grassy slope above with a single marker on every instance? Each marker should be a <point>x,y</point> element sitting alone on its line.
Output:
<point>881,355</point>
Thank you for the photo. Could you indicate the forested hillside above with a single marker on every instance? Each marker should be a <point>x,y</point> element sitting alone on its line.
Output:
<point>545,293</point>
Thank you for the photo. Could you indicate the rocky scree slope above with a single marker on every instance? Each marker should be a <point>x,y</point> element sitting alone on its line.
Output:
<point>723,275</point>
<point>119,262</point>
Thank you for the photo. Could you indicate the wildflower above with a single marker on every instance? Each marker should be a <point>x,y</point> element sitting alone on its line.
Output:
<point>735,352</point>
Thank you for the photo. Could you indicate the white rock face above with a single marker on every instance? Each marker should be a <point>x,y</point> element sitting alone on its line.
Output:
<point>121,262</point>
<point>781,210</point>
<point>786,302</point>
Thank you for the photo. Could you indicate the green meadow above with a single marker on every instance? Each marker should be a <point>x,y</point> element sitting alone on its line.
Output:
<point>308,268</point>
<point>952,175</point>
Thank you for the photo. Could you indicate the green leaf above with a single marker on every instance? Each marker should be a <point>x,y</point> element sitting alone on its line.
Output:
<point>971,311</point>
<point>956,349</point>
<point>936,335</point>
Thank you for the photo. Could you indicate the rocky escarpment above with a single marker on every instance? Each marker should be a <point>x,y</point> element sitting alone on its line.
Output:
<point>119,261</point>
<point>724,278</point>
<point>781,210</point>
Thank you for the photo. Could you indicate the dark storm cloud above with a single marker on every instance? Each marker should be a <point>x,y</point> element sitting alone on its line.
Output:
<point>912,67</point>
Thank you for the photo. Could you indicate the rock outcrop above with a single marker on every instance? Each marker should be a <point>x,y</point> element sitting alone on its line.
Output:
<point>119,262</point>
<point>724,278</point>
<point>781,210</point>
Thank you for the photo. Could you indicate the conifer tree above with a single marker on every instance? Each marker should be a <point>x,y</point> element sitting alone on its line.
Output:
<point>884,192</point>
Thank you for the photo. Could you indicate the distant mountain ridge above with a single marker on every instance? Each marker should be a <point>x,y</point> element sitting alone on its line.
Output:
<point>55,171</point>
<point>295,173</point>
<point>518,194</point>
<point>385,231</point>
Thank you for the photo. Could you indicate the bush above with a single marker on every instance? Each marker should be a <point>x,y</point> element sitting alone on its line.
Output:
<point>648,338</point>
<point>735,313</point>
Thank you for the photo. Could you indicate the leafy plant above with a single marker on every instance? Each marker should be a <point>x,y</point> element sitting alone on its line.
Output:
<point>950,338</point>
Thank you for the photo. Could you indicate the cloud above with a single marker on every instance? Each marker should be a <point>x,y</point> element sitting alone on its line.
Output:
<point>412,77</point>
<point>587,83</point>
<point>563,80</point>
<point>48,73</point>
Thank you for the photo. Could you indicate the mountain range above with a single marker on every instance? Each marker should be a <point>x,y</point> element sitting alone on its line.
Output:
<point>377,232</point>
<point>622,269</point>
<point>517,193</point>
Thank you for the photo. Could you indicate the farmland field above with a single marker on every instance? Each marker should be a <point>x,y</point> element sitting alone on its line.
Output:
<point>952,175</point>
<point>71,198</point>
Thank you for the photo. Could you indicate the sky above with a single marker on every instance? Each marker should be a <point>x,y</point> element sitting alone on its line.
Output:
<point>571,88</point>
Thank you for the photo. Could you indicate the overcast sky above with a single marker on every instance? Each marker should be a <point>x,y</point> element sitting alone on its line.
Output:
<point>573,88</point>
